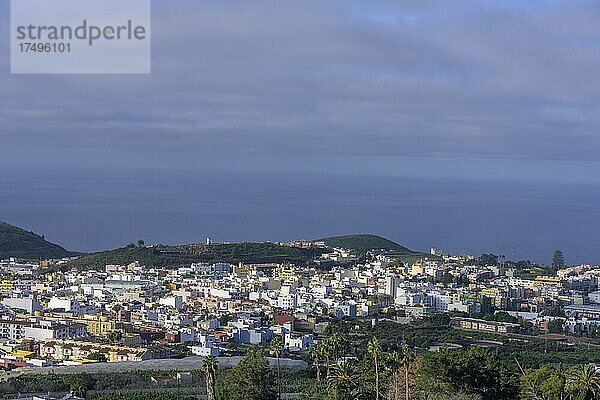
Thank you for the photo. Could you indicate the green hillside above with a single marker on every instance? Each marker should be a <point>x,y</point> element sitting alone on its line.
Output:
<point>184,255</point>
<point>364,243</point>
<point>19,243</point>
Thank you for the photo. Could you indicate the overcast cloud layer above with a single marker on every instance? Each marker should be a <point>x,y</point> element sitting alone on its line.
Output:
<point>288,83</point>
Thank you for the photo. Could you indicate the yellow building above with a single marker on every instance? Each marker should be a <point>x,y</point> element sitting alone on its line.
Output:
<point>456,297</point>
<point>548,280</point>
<point>417,268</point>
<point>84,361</point>
<point>100,327</point>
<point>286,272</point>
<point>490,292</point>
<point>242,269</point>
<point>22,354</point>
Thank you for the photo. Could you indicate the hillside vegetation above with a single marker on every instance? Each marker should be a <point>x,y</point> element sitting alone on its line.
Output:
<point>234,253</point>
<point>184,255</point>
<point>364,243</point>
<point>19,243</point>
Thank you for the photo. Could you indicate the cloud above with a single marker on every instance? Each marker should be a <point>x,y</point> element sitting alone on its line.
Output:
<point>242,81</point>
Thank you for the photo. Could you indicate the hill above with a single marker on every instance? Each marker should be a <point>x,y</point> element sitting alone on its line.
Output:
<point>19,243</point>
<point>364,243</point>
<point>184,255</point>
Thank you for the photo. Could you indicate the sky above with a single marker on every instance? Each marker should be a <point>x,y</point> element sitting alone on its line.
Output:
<point>489,90</point>
<point>476,87</point>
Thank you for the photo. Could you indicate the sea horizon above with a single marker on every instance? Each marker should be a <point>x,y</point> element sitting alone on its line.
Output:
<point>92,210</point>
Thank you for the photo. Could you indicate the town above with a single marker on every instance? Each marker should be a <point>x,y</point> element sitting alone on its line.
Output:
<point>54,316</point>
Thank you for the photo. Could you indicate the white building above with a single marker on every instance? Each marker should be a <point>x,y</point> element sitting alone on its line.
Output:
<point>13,330</point>
<point>27,304</point>
<point>62,304</point>
<point>172,301</point>
<point>296,342</point>
<point>205,350</point>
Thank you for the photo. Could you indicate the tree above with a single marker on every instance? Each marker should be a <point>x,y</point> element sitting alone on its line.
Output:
<point>316,356</point>
<point>438,320</point>
<point>402,360</point>
<point>224,319</point>
<point>488,260</point>
<point>447,278</point>
<point>78,391</point>
<point>461,280</point>
<point>342,381</point>
<point>337,345</point>
<point>250,379</point>
<point>556,326</point>
<point>503,316</point>
<point>141,243</point>
<point>114,336</point>
<point>79,384</point>
<point>276,348</point>
<point>406,358</point>
<point>545,383</point>
<point>558,260</point>
<point>554,311</point>
<point>333,347</point>
<point>586,383</point>
<point>209,368</point>
<point>471,372</point>
<point>374,350</point>
<point>100,357</point>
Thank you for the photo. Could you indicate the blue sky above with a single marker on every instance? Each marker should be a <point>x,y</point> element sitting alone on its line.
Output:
<point>475,89</point>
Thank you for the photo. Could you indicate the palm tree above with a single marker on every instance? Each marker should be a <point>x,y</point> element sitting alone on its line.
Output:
<point>331,348</point>
<point>209,369</point>
<point>276,348</point>
<point>328,348</point>
<point>374,350</point>
<point>316,355</point>
<point>342,380</point>
<point>587,380</point>
<point>403,359</point>
<point>337,344</point>
<point>407,358</point>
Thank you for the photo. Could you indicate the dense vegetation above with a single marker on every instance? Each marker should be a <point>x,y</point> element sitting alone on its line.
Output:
<point>364,243</point>
<point>145,395</point>
<point>19,243</point>
<point>184,255</point>
<point>530,351</point>
<point>110,381</point>
<point>252,378</point>
<point>354,361</point>
<point>523,268</point>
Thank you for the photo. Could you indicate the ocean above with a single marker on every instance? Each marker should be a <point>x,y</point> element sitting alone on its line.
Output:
<point>96,210</point>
